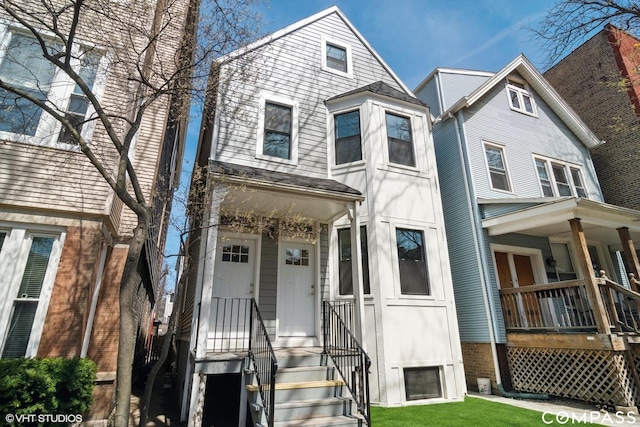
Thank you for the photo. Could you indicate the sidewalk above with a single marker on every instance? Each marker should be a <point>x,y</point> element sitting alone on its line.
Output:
<point>567,412</point>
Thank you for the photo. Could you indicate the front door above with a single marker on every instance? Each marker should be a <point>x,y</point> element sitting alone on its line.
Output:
<point>296,292</point>
<point>232,289</point>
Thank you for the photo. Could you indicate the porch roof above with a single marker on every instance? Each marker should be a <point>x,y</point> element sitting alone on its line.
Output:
<point>268,191</point>
<point>552,219</point>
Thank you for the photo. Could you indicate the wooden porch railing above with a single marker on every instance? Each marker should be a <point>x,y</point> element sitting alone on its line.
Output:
<point>565,306</point>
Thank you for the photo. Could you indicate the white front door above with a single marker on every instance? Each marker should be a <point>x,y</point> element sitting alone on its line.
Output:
<point>296,292</point>
<point>233,284</point>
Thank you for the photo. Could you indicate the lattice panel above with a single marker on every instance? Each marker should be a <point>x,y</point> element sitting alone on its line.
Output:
<point>597,376</point>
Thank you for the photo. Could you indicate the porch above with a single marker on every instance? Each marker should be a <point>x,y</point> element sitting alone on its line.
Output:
<point>577,338</point>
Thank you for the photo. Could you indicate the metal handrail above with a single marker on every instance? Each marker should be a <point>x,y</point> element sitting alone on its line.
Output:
<point>264,361</point>
<point>349,358</point>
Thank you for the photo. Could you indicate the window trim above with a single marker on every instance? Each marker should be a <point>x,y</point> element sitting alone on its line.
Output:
<point>522,92</point>
<point>409,117</point>
<point>294,105</point>
<point>18,240</point>
<point>503,151</point>
<point>396,261</point>
<point>334,138</point>
<point>568,169</point>
<point>48,128</point>
<point>324,40</point>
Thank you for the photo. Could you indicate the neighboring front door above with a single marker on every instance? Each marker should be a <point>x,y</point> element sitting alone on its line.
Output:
<point>232,290</point>
<point>515,270</point>
<point>296,291</point>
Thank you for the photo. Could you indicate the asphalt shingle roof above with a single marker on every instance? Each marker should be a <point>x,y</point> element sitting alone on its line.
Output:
<point>384,89</point>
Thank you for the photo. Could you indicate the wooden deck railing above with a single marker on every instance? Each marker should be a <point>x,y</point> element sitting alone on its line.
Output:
<point>622,306</point>
<point>565,307</point>
<point>555,306</point>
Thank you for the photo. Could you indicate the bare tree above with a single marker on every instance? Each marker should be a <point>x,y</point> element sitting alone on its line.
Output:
<point>570,22</point>
<point>155,55</point>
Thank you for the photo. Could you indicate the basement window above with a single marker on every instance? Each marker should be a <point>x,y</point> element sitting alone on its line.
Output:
<point>422,383</point>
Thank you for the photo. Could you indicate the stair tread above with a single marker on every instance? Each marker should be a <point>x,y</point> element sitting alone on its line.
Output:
<point>311,402</point>
<point>301,384</point>
<point>304,368</point>
<point>321,421</point>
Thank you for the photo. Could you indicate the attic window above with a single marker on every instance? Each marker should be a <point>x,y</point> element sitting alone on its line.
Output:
<point>519,97</point>
<point>336,57</point>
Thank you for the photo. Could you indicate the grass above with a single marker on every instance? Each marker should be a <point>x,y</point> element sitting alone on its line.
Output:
<point>471,412</point>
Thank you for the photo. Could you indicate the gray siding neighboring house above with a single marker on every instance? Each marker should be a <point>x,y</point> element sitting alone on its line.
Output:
<point>508,147</point>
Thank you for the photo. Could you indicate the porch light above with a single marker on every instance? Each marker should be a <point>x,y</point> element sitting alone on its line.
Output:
<point>551,262</point>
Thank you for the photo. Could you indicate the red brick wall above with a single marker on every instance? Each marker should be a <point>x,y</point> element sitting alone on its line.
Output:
<point>478,363</point>
<point>71,295</point>
<point>589,80</point>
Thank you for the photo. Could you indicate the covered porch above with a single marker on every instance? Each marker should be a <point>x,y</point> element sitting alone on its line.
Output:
<point>572,327</point>
<point>266,285</point>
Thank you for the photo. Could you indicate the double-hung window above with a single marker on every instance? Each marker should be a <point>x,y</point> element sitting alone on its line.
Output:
<point>277,131</point>
<point>497,166</point>
<point>519,97</point>
<point>336,57</point>
<point>348,146</point>
<point>412,262</point>
<point>29,262</point>
<point>346,261</point>
<point>559,179</point>
<point>400,140</point>
<point>23,66</point>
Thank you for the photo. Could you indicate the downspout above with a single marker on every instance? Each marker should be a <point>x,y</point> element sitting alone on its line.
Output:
<point>484,279</point>
<point>94,300</point>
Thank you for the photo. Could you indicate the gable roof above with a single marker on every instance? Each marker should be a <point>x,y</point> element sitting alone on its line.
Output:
<point>383,89</point>
<point>303,23</point>
<point>543,88</point>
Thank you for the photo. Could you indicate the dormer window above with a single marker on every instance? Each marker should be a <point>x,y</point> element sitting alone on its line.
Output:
<point>336,57</point>
<point>519,97</point>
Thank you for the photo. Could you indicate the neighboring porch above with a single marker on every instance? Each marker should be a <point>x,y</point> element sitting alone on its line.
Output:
<point>579,336</point>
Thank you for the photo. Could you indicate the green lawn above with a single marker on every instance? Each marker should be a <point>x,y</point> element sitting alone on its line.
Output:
<point>472,412</point>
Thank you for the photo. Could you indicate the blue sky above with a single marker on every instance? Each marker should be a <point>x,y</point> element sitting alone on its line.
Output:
<point>414,37</point>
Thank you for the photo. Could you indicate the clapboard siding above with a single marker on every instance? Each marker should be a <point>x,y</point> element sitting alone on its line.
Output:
<point>467,283</point>
<point>454,86</point>
<point>290,67</point>
<point>492,120</point>
<point>268,278</point>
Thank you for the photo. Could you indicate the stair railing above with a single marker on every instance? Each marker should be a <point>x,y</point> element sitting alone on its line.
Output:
<point>264,361</point>
<point>622,306</point>
<point>349,358</point>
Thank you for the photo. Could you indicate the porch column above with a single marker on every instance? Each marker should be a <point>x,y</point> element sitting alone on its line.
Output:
<point>356,272</point>
<point>595,299</point>
<point>630,254</point>
<point>210,236</point>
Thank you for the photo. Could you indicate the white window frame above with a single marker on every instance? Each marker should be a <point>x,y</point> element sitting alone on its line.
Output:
<point>294,105</point>
<point>568,167</point>
<point>18,244</point>
<point>503,151</point>
<point>513,85</point>
<point>324,40</point>
<point>48,129</point>
<point>403,115</point>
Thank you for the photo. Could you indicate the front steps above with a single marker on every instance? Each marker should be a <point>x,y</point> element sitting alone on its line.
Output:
<point>308,393</point>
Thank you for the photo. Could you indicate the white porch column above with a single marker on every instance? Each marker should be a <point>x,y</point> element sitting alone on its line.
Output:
<point>356,271</point>
<point>208,259</point>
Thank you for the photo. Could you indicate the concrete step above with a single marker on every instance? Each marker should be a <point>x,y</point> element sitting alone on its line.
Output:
<point>305,373</point>
<point>343,421</point>
<point>312,408</point>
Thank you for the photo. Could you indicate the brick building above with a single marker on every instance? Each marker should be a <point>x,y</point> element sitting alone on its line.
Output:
<point>600,80</point>
<point>63,232</point>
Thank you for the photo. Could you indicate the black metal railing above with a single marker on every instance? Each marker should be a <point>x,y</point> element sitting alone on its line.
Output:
<point>348,357</point>
<point>229,325</point>
<point>263,359</point>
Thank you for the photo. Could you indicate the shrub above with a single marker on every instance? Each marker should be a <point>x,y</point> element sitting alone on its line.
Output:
<point>46,386</point>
